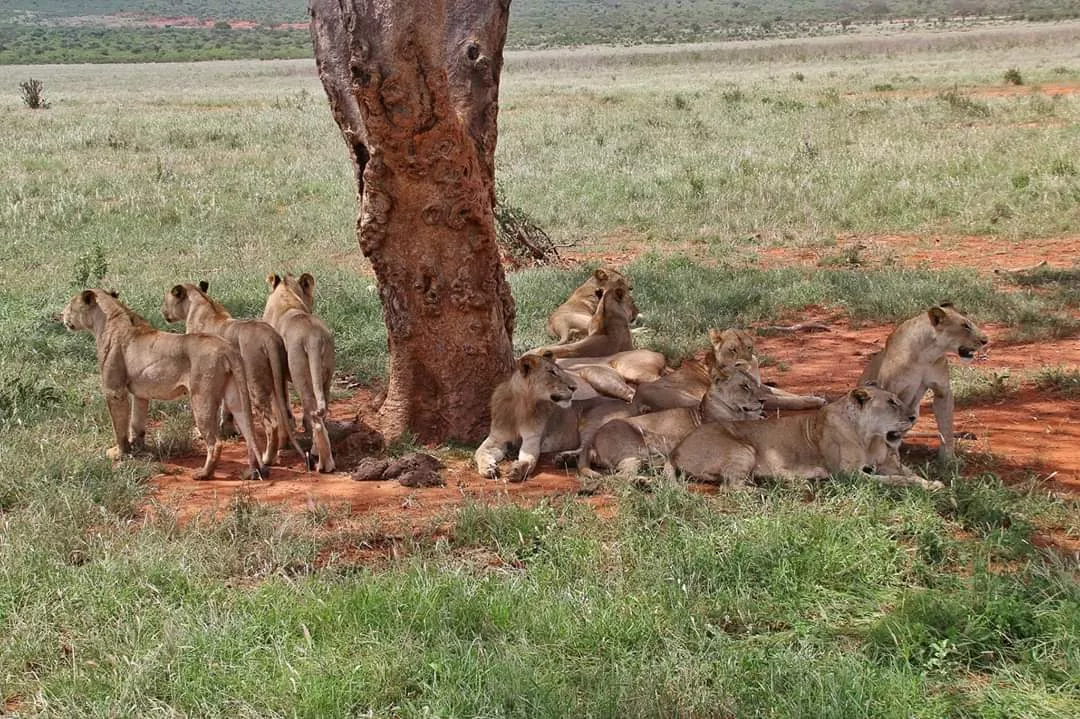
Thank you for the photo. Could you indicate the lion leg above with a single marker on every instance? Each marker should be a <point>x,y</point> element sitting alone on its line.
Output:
<point>119,411</point>
<point>904,480</point>
<point>140,408</point>
<point>205,413</point>
<point>527,457</point>
<point>234,401</point>
<point>273,439</point>
<point>944,405</point>
<point>488,455</point>
<point>779,399</point>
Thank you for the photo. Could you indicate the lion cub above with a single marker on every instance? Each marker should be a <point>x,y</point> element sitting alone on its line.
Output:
<point>853,434</point>
<point>141,363</point>
<point>570,320</point>
<point>913,361</point>
<point>261,350</point>
<point>309,344</point>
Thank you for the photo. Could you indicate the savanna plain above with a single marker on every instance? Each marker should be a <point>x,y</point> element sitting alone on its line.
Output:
<point>856,181</point>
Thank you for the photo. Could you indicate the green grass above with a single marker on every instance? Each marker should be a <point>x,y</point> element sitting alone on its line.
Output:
<point>831,600</point>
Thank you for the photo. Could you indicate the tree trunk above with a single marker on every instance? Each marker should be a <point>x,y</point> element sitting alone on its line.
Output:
<point>414,86</point>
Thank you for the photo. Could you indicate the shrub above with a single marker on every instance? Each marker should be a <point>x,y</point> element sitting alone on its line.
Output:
<point>1012,77</point>
<point>33,94</point>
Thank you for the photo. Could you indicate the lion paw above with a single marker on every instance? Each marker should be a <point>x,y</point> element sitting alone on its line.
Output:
<point>518,472</point>
<point>115,453</point>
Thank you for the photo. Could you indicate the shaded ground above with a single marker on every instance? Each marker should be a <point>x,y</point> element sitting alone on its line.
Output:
<point>1021,434</point>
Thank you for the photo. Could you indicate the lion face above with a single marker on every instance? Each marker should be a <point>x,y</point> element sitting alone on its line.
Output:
<point>734,386</point>
<point>731,346</point>
<point>546,381</point>
<point>878,412</point>
<point>956,333</point>
<point>604,279</point>
<point>80,311</point>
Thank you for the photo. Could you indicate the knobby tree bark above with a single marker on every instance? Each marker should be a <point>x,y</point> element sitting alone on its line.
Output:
<point>414,87</point>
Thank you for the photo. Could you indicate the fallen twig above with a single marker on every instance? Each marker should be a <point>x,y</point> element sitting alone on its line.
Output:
<point>800,327</point>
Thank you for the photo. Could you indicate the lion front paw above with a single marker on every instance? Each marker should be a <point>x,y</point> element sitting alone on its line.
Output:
<point>115,453</point>
<point>518,472</point>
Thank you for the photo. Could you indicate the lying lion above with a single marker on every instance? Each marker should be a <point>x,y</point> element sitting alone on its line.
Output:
<point>609,328</point>
<point>261,350</point>
<point>533,410</point>
<point>570,320</point>
<point>913,361</point>
<point>623,444</point>
<point>853,434</point>
<point>687,385</point>
<point>140,363</point>
<point>309,344</point>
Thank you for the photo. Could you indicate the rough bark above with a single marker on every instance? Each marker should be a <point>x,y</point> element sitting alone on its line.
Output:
<point>414,87</point>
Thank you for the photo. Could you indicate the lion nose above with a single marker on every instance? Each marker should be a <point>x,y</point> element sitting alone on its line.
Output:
<point>912,418</point>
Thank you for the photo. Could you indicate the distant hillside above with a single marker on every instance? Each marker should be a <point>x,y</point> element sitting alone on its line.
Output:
<point>37,31</point>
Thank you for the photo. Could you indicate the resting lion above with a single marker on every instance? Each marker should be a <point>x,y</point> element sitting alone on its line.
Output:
<point>611,375</point>
<point>609,328</point>
<point>140,363</point>
<point>913,361</point>
<point>261,350</point>
<point>309,344</point>
<point>622,444</point>
<point>570,320</point>
<point>687,385</point>
<point>853,434</point>
<point>533,409</point>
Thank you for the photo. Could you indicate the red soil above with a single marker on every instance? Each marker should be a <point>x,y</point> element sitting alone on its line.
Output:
<point>976,253</point>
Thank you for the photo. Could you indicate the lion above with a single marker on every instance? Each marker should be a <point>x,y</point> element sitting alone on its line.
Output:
<point>570,320</point>
<point>612,375</point>
<point>534,409</point>
<point>309,345</point>
<point>851,434</point>
<point>913,361</point>
<point>686,386</point>
<point>622,444</point>
<point>261,350</point>
<point>141,363</point>
<point>609,328</point>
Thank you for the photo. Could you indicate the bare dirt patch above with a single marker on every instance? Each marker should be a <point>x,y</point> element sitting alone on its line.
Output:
<point>983,254</point>
<point>988,91</point>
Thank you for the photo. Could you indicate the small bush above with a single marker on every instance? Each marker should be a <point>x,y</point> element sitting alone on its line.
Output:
<point>90,267</point>
<point>1012,77</point>
<point>964,104</point>
<point>33,94</point>
<point>798,76</point>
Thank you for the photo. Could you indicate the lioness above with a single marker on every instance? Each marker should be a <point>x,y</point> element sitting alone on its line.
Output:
<point>142,363</point>
<point>534,408</point>
<point>309,344</point>
<point>913,361</point>
<point>852,434</point>
<point>622,444</point>
<point>609,328</point>
<point>570,320</point>
<point>687,385</point>
<point>261,350</point>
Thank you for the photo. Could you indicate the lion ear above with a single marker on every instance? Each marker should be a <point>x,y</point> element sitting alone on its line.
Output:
<point>937,316</point>
<point>860,395</point>
<point>600,275</point>
<point>715,336</point>
<point>871,383</point>
<point>307,281</point>
<point>527,364</point>
<point>273,280</point>
<point>620,294</point>
<point>599,294</point>
<point>204,285</point>
<point>549,355</point>
<point>88,297</point>
<point>115,294</point>
<point>946,303</point>
<point>179,292</point>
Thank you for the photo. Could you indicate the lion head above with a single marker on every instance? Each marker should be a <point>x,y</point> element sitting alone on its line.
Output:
<point>956,333</point>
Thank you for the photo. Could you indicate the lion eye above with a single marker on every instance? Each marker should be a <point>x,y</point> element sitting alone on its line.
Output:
<point>967,325</point>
